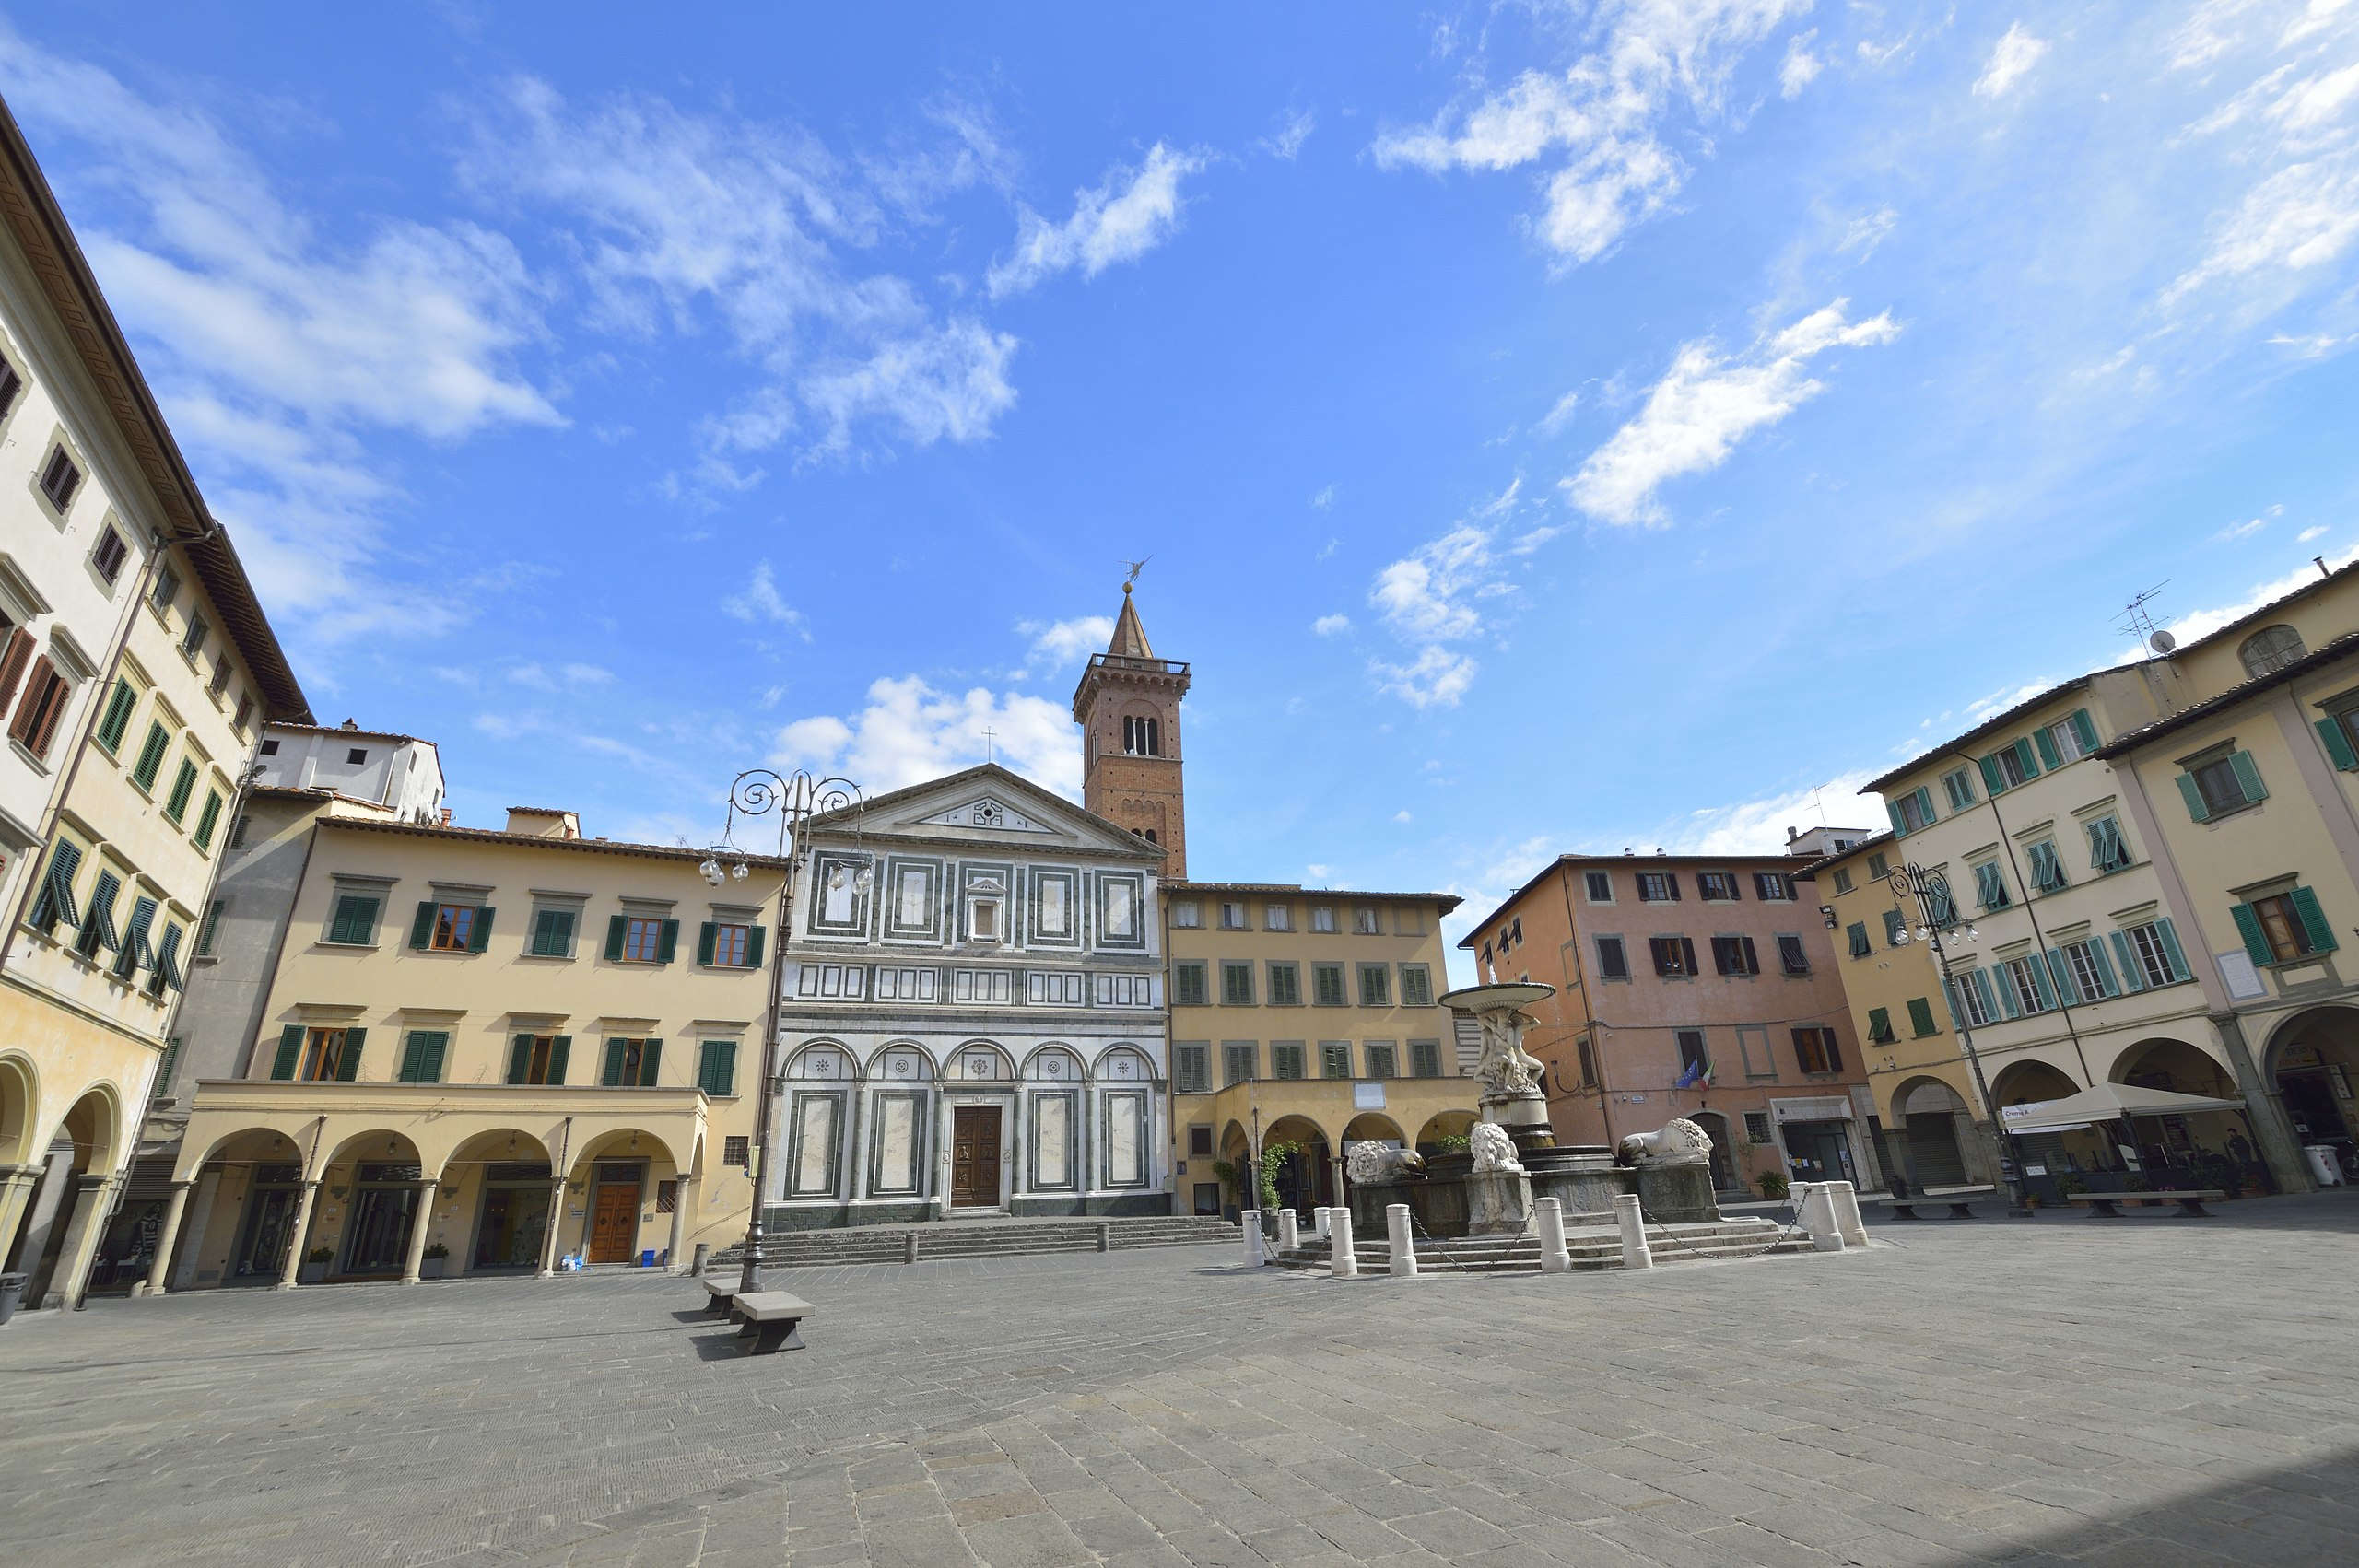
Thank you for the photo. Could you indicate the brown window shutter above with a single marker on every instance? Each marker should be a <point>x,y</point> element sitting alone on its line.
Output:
<point>12,664</point>
<point>28,711</point>
<point>53,702</point>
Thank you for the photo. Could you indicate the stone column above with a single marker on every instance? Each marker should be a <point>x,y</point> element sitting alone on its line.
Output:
<point>414,1256</point>
<point>208,1192</point>
<point>1289,1237</point>
<point>1635,1252</point>
<point>17,1184</point>
<point>1343,1262</point>
<point>82,1235</point>
<point>1553,1257</point>
<point>169,1236</point>
<point>2265,1108</point>
<point>1401,1245</point>
<point>549,1236</point>
<point>297,1235</point>
<point>1251,1221</point>
<point>682,1189</point>
<point>1020,1122</point>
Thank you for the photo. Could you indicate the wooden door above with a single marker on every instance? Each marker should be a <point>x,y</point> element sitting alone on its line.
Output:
<point>613,1225</point>
<point>974,1156</point>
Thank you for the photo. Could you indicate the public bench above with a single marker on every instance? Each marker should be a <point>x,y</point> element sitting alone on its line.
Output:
<point>2190,1204</point>
<point>1960,1202</point>
<point>722,1293</point>
<point>770,1318</point>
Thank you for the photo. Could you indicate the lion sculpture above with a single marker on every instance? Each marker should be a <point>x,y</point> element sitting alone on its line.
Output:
<point>1681,1142</point>
<point>1493,1149</point>
<point>1376,1164</point>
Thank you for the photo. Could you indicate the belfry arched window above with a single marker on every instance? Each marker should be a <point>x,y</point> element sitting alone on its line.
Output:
<point>2270,648</point>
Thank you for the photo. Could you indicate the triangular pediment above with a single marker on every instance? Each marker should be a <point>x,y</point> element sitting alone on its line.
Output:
<point>988,805</point>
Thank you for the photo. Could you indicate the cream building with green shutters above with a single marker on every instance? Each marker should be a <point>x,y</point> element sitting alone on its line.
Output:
<point>2091,962</point>
<point>481,1052</point>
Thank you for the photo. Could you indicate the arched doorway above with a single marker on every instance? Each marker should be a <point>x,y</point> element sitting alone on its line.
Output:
<point>1716,1125</point>
<point>1445,1133</point>
<point>1371,1127</point>
<point>1934,1125</point>
<point>61,1231</point>
<point>250,1187</point>
<point>2047,1157</point>
<point>373,1189</point>
<point>1304,1178</point>
<point>500,1190</point>
<point>2314,1063</point>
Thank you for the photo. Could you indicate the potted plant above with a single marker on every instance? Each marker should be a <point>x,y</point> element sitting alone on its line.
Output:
<point>315,1266</point>
<point>432,1260</point>
<point>1225,1173</point>
<point>1774,1185</point>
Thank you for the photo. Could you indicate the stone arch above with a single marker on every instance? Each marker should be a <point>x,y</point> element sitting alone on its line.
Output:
<point>1442,1125</point>
<point>1055,1062</point>
<point>823,1061</point>
<point>2027,1083</point>
<point>1375,1127</point>
<point>2269,649</point>
<point>2319,1034</point>
<point>902,1062</point>
<point>501,1145</point>
<point>2175,1066</point>
<point>2300,1065</point>
<point>1122,1064</point>
<point>1233,1141</point>
<point>274,1141</point>
<point>980,1062</point>
<point>1931,1131</point>
<point>94,1123</point>
<point>19,1107</point>
<point>1306,1179</point>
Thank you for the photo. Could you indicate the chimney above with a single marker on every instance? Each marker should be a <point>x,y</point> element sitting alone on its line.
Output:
<point>539,822</point>
<point>446,817</point>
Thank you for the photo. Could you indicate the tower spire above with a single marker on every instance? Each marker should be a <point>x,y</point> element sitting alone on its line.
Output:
<point>1129,637</point>
<point>1128,707</point>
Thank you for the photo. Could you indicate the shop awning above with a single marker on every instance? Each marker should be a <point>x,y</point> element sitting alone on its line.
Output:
<point>2107,1102</point>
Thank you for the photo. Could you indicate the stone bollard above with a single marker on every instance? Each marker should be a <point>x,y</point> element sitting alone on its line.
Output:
<point>1554,1259</point>
<point>1255,1255</point>
<point>909,1247</point>
<point>1397,1239</point>
<point>696,1268</point>
<point>1635,1252</point>
<point>1815,1211</point>
<point>1105,1237</point>
<point>1343,1262</point>
<point>1845,1199</point>
<point>1289,1234</point>
<point>1319,1224</point>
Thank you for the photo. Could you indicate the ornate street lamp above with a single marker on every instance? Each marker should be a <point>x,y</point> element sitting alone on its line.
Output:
<point>1940,928</point>
<point>795,799</point>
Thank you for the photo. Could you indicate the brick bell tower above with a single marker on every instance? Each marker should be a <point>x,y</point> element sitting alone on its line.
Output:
<point>1128,707</point>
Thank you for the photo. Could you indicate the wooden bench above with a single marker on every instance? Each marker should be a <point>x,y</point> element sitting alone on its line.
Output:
<point>2190,1204</point>
<point>770,1318</point>
<point>722,1293</point>
<point>1961,1203</point>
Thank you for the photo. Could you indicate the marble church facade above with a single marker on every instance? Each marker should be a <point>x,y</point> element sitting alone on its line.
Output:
<point>973,1018</point>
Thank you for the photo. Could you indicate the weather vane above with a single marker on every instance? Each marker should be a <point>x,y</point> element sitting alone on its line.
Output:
<point>1136,567</point>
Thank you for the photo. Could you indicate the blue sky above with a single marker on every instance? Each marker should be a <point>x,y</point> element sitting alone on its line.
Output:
<point>1553,426</point>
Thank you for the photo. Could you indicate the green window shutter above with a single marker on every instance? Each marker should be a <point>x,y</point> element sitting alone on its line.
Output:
<point>2105,977</point>
<point>2305,904</point>
<point>407,1072</point>
<point>438,1044</point>
<point>2169,933</point>
<point>1949,995</point>
<point>2338,745</point>
<point>290,1052</point>
<point>1879,1025</point>
<point>208,819</point>
<point>120,703</point>
<point>1993,782</point>
<point>704,943</point>
<point>2085,729</point>
<point>520,1059</point>
<point>2024,754</point>
<point>1982,989</point>
<point>2194,798</point>
<point>151,756</point>
<point>2068,990</point>
<point>2248,776</point>
<point>2040,985</point>
<point>421,930</point>
<point>2255,940</point>
<point>2049,755</point>
<point>613,1076</point>
<point>560,1050</point>
<point>349,1068</point>
<point>2133,974</point>
<point>1924,802</point>
<point>617,928</point>
<point>2007,1001</point>
<point>753,947</point>
<point>1899,826</point>
<point>1920,1016</point>
<point>651,1057</point>
<point>481,937</point>
<point>719,1067</point>
<point>671,942</point>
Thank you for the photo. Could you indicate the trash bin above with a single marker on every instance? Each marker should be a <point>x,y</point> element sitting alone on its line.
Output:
<point>12,1294</point>
<point>2323,1165</point>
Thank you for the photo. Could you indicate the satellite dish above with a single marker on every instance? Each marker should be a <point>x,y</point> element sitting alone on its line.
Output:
<point>2162,642</point>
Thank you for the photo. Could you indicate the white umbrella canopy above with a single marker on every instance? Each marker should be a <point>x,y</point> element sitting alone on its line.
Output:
<point>2107,1102</point>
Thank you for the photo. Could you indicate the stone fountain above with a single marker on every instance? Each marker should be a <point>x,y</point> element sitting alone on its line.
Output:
<point>1513,1156</point>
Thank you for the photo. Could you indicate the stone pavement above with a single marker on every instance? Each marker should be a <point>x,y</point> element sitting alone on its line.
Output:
<point>2145,1393</point>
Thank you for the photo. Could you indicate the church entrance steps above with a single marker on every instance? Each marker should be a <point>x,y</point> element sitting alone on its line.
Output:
<point>975,1238</point>
<point>1588,1248</point>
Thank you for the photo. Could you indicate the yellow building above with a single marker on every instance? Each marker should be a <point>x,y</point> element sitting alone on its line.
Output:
<point>483,1051</point>
<point>136,667</point>
<point>1305,1018</point>
<point>1931,1121</point>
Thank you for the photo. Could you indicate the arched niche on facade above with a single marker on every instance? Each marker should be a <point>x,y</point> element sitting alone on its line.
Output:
<point>1053,1064</point>
<point>823,1061</point>
<point>1124,1064</point>
<point>901,1061</point>
<point>980,1062</point>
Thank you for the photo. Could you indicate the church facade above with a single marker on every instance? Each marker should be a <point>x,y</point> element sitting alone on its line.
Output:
<point>973,1017</point>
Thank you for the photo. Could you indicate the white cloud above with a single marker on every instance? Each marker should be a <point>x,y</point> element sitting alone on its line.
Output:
<point>1403,816</point>
<point>676,216</point>
<point>532,675</point>
<point>910,732</point>
<point>2249,527</point>
<point>1602,122</point>
<point>1866,232</point>
<point>2016,53</point>
<point>1109,225</point>
<point>1438,677</point>
<point>1801,67</point>
<point>1441,593</point>
<point>2005,699</point>
<point>2317,531</point>
<point>2295,220</point>
<point>2203,623</point>
<point>1705,404</point>
<point>760,600</point>
<point>1561,415</point>
<point>1328,626</point>
<point>1758,826</point>
<point>1324,498</point>
<point>1058,643</point>
<point>586,675</point>
<point>1287,140</point>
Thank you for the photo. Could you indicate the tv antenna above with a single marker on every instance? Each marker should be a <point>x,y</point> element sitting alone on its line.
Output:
<point>2135,621</point>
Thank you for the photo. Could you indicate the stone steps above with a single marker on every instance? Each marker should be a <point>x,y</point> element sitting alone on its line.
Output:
<point>1588,1249</point>
<point>890,1244</point>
